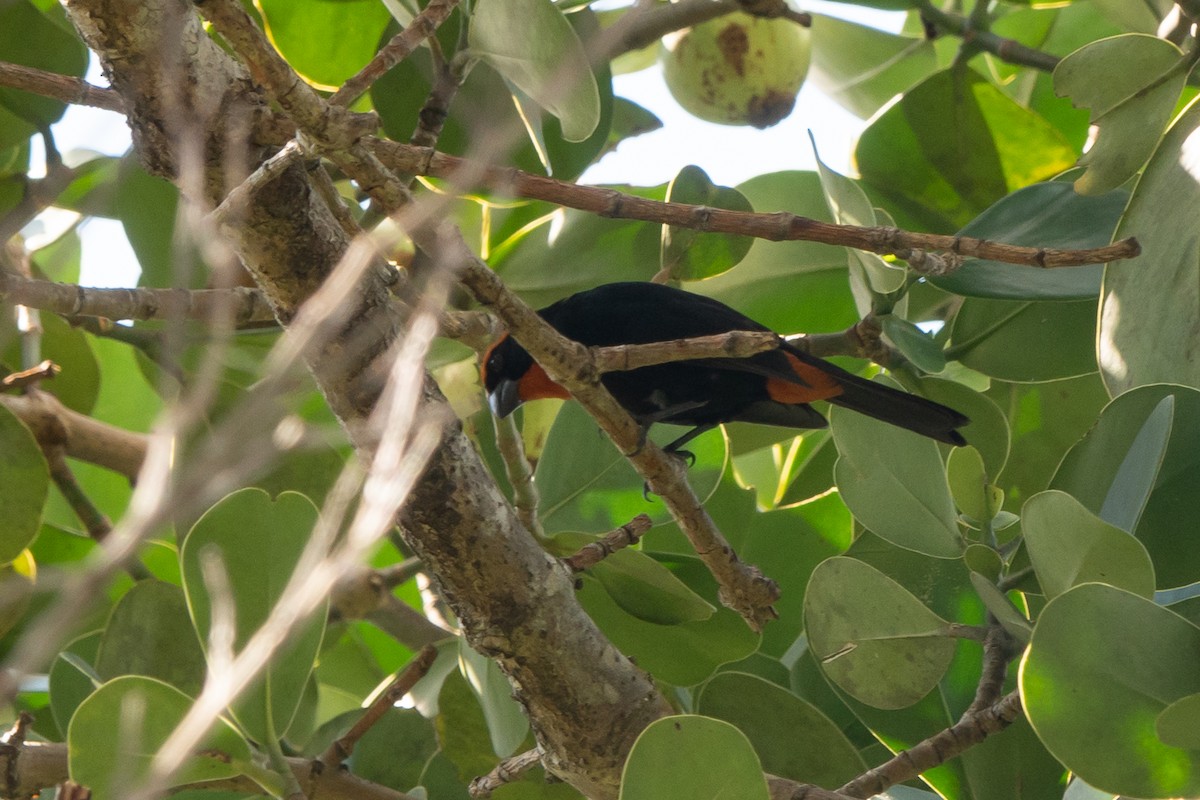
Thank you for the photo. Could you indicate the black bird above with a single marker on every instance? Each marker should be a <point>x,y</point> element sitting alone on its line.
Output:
<point>771,388</point>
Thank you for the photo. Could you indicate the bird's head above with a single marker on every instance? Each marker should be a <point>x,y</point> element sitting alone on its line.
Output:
<point>511,377</point>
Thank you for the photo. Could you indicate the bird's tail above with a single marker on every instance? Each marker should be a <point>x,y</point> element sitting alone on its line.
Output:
<point>902,409</point>
<point>893,406</point>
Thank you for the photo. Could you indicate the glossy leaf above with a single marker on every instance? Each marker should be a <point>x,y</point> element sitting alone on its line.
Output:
<point>1024,341</point>
<point>257,570</point>
<point>506,723</point>
<point>862,67</point>
<point>894,483</point>
<point>948,174</point>
<point>24,488</point>
<point>694,757</point>
<point>690,255</point>
<point>648,590</point>
<point>791,736</point>
<point>117,731</point>
<point>1127,83</point>
<point>682,655</point>
<point>1102,666</point>
<point>151,634</point>
<point>872,637</point>
<point>299,29</point>
<point>29,38</point>
<point>531,43</point>
<point>1113,450</point>
<point>586,485</point>
<point>1042,215</point>
<point>1069,545</point>
<point>791,287</point>
<point>1165,277</point>
<point>72,677</point>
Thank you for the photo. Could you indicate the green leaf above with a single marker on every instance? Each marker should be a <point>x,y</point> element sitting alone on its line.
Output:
<point>506,723</point>
<point>693,757</point>
<point>24,488</point>
<point>793,738</point>
<point>648,590</point>
<point>689,255</point>
<point>1069,545</point>
<point>151,634</point>
<point>1102,666</point>
<point>1114,461</point>
<point>300,29</point>
<point>682,655</point>
<point>988,431</point>
<point>146,205</point>
<point>862,68</point>
<point>395,750</point>
<point>1124,81</point>
<point>949,174</point>
<point>859,620</point>
<point>894,483</point>
<point>766,284</point>
<point>1002,608</point>
<point>1042,215</point>
<point>1166,277</point>
<point>116,732</point>
<point>1023,341</point>
<point>30,38</point>
<point>922,349</point>
<point>72,677</point>
<point>969,484</point>
<point>531,43</point>
<point>585,484</point>
<point>258,569</point>
<point>1179,722</point>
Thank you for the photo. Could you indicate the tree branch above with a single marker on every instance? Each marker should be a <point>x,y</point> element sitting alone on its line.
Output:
<point>60,87</point>
<point>591,554</point>
<point>1005,49</point>
<point>774,226</point>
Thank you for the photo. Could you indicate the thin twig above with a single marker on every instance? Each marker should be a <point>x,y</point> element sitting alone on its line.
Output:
<point>67,88</point>
<point>30,377</point>
<point>774,226</point>
<point>595,552</point>
<point>519,472</point>
<point>421,28</point>
<point>908,764</point>
<point>341,749</point>
<point>734,344</point>
<point>1007,50</point>
<point>507,771</point>
<point>142,303</point>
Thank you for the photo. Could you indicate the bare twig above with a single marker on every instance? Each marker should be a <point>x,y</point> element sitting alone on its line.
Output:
<point>94,521</point>
<point>1005,49</point>
<point>972,729</point>
<point>734,344</point>
<point>60,87</point>
<point>82,437</point>
<point>775,226</point>
<point>507,771</point>
<point>422,27</point>
<point>30,377</point>
<point>141,303</point>
<point>405,624</point>
<point>341,749</point>
<point>33,766</point>
<point>520,473</point>
<point>595,552</point>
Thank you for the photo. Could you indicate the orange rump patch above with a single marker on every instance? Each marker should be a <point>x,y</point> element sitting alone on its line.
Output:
<point>817,384</point>
<point>535,384</point>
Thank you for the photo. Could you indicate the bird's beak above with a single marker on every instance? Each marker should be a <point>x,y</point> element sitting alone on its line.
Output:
<point>505,398</point>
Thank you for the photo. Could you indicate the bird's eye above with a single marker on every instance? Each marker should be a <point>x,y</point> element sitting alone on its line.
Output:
<point>495,364</point>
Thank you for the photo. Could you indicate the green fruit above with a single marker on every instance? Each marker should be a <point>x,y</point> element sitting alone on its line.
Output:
<point>737,69</point>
